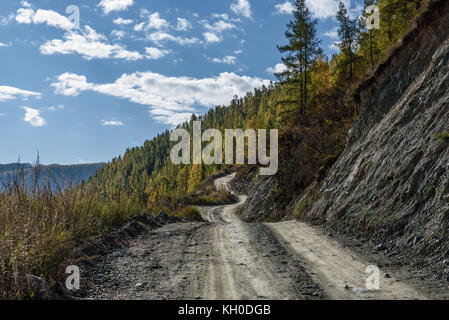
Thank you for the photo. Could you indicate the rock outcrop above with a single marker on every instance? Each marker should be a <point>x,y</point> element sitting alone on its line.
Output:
<point>391,183</point>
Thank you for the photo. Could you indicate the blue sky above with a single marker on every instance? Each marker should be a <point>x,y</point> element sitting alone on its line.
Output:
<point>131,69</point>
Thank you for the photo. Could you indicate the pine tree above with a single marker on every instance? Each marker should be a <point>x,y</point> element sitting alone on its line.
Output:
<point>368,45</point>
<point>302,51</point>
<point>348,32</point>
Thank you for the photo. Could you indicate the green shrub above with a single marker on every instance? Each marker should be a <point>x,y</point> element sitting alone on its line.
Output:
<point>444,136</point>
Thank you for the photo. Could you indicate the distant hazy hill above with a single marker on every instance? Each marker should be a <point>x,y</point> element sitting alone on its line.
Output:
<point>62,174</point>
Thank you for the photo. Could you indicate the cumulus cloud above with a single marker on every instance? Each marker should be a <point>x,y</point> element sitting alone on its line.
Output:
<point>219,26</point>
<point>214,31</point>
<point>324,9</point>
<point>171,99</point>
<point>160,36</point>
<point>183,24</point>
<point>242,8</point>
<point>279,68</point>
<point>155,53</point>
<point>284,8</point>
<point>158,29</point>
<point>5,44</point>
<point>115,5</point>
<point>156,22</point>
<point>24,15</point>
<point>25,4</point>
<point>211,37</point>
<point>226,60</point>
<point>121,21</point>
<point>11,93</point>
<point>139,27</point>
<point>118,34</point>
<point>49,17</point>
<point>90,45</point>
<point>113,122</point>
<point>32,116</point>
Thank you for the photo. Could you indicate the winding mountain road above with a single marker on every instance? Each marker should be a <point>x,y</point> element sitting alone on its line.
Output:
<point>226,258</point>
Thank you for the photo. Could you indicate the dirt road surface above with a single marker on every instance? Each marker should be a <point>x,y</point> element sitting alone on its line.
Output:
<point>225,258</point>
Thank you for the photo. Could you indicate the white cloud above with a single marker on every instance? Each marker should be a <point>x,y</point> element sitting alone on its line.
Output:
<point>50,17</point>
<point>223,16</point>
<point>211,37</point>
<point>4,21</point>
<point>333,33</point>
<point>334,46</point>
<point>115,5</point>
<point>324,9</point>
<point>33,117</point>
<point>24,15</point>
<point>226,60</point>
<point>284,8</point>
<point>219,26</point>
<point>11,93</point>
<point>242,7</point>
<point>5,44</point>
<point>112,122</point>
<point>160,36</point>
<point>118,34</point>
<point>171,99</point>
<point>139,27</point>
<point>156,22</point>
<point>90,45</point>
<point>183,24</point>
<point>155,53</point>
<point>54,109</point>
<point>121,21</point>
<point>25,4</point>
<point>279,68</point>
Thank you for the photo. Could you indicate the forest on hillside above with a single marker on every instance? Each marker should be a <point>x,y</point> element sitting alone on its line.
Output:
<point>312,105</point>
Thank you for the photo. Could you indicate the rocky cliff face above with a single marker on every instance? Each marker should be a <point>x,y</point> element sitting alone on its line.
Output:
<point>391,183</point>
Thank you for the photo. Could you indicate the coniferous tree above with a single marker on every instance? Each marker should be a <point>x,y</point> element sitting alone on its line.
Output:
<point>348,32</point>
<point>302,51</point>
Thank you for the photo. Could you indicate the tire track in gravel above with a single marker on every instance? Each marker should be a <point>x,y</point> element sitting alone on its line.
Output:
<point>223,258</point>
<point>228,259</point>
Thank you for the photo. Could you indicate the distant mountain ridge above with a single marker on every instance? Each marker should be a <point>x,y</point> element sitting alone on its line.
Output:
<point>61,175</point>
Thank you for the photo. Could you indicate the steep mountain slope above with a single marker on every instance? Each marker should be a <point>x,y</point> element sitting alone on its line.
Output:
<point>391,183</point>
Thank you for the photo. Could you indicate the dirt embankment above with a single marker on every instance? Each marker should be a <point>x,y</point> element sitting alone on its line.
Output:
<point>391,184</point>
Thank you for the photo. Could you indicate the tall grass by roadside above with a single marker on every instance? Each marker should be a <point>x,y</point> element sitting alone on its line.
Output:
<point>42,222</point>
<point>39,228</point>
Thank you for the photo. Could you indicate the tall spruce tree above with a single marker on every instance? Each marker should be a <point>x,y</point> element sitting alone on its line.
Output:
<point>348,33</point>
<point>302,51</point>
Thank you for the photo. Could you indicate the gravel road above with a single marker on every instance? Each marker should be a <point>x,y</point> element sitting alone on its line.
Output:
<point>225,258</point>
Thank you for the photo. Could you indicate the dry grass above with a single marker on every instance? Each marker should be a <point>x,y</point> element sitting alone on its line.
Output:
<point>39,227</point>
<point>190,213</point>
